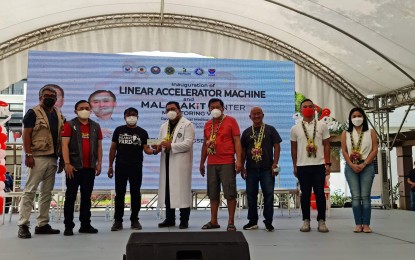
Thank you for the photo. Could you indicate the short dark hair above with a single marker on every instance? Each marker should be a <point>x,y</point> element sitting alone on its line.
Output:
<point>174,103</point>
<point>102,91</point>
<point>306,100</point>
<point>365,125</point>
<point>81,101</point>
<point>213,100</point>
<point>130,109</point>
<point>46,87</point>
<point>57,87</point>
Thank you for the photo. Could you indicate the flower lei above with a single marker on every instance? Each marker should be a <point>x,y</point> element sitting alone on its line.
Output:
<point>311,146</point>
<point>355,155</point>
<point>257,149</point>
<point>211,143</point>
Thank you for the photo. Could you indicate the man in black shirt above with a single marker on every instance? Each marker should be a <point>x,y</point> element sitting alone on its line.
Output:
<point>411,181</point>
<point>128,143</point>
<point>260,152</point>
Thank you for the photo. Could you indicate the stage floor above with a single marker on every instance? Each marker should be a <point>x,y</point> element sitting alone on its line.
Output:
<point>393,237</point>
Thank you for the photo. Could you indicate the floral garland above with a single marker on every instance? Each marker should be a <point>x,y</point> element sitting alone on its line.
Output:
<point>311,147</point>
<point>257,149</point>
<point>356,155</point>
<point>211,143</point>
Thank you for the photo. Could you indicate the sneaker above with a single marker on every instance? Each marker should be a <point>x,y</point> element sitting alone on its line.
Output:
<point>88,229</point>
<point>46,230</point>
<point>322,226</point>
<point>116,226</point>
<point>184,224</point>
<point>24,232</point>
<point>167,223</point>
<point>269,227</point>
<point>250,225</point>
<point>135,224</point>
<point>68,231</point>
<point>306,226</point>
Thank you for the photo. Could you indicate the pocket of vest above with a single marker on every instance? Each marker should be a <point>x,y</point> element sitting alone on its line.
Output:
<point>40,144</point>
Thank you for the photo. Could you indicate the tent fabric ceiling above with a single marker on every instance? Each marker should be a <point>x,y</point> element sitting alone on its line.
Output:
<point>385,25</point>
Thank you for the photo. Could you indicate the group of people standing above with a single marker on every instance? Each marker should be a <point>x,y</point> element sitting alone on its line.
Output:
<point>255,154</point>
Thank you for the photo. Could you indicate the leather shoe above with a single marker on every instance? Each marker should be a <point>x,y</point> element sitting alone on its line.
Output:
<point>184,224</point>
<point>24,232</point>
<point>46,230</point>
<point>68,232</point>
<point>88,230</point>
<point>167,223</point>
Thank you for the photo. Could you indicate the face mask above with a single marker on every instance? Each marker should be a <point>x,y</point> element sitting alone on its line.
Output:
<point>215,113</point>
<point>131,120</point>
<point>357,121</point>
<point>171,115</point>
<point>84,114</point>
<point>49,102</point>
<point>307,112</point>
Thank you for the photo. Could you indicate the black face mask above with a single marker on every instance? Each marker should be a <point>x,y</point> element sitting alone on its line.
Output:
<point>49,102</point>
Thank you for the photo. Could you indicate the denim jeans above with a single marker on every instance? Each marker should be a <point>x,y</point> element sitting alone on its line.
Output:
<point>133,174</point>
<point>360,187</point>
<point>83,178</point>
<point>267,181</point>
<point>312,177</point>
<point>412,200</point>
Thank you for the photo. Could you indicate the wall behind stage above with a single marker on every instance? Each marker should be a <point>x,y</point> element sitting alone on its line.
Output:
<point>148,83</point>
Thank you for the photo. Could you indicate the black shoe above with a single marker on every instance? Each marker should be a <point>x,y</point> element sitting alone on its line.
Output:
<point>269,227</point>
<point>135,224</point>
<point>167,223</point>
<point>68,231</point>
<point>89,230</point>
<point>46,230</point>
<point>184,224</point>
<point>117,226</point>
<point>24,232</point>
<point>250,226</point>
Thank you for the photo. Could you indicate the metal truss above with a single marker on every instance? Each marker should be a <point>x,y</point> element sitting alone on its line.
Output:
<point>287,51</point>
<point>397,98</point>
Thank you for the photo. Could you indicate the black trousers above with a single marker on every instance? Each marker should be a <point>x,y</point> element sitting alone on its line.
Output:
<point>170,212</point>
<point>83,178</point>
<point>312,177</point>
<point>133,174</point>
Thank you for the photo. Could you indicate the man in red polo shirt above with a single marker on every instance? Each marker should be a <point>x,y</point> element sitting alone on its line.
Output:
<point>221,142</point>
<point>82,153</point>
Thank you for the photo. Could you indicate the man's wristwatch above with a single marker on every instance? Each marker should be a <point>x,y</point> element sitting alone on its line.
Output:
<point>29,155</point>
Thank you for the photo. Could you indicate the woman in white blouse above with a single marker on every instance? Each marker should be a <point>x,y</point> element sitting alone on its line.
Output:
<point>359,147</point>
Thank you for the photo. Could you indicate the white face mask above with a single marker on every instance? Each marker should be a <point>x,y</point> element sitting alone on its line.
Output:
<point>131,120</point>
<point>171,115</point>
<point>215,113</point>
<point>84,114</point>
<point>357,121</point>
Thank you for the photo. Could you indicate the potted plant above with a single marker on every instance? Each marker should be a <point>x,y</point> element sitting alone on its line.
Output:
<point>395,194</point>
<point>338,199</point>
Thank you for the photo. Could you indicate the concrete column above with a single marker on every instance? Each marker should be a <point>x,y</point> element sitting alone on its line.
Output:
<point>404,165</point>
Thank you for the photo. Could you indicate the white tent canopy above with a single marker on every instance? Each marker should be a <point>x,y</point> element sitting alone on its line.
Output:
<point>343,51</point>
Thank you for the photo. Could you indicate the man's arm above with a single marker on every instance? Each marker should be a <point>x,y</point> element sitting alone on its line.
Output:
<point>277,152</point>
<point>69,169</point>
<point>203,157</point>
<point>294,156</point>
<point>113,150</point>
<point>27,142</point>
<point>99,159</point>
<point>238,150</point>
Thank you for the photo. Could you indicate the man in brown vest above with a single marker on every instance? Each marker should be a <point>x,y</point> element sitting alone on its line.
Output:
<point>41,142</point>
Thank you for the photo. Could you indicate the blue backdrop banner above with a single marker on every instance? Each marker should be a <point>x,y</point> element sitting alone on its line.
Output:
<point>148,83</point>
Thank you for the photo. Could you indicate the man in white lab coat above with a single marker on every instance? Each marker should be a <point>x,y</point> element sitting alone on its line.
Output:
<point>177,135</point>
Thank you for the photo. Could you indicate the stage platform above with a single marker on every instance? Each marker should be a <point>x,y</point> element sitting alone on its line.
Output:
<point>393,237</point>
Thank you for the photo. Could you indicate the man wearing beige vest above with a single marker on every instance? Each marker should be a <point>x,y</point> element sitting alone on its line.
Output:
<point>41,142</point>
